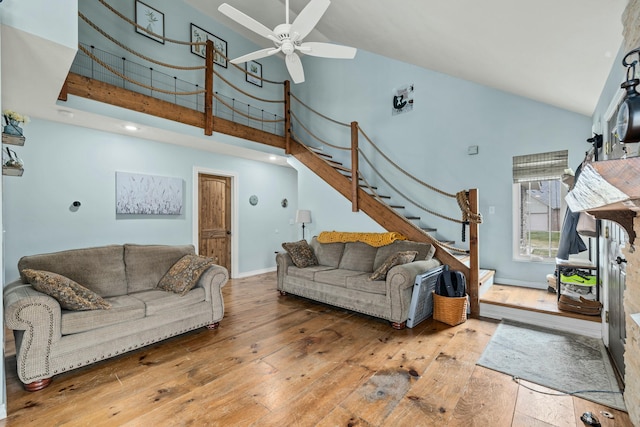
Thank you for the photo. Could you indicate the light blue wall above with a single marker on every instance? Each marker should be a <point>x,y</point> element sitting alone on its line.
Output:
<point>65,163</point>
<point>431,142</point>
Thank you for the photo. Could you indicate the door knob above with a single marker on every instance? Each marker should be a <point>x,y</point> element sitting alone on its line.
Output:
<point>620,260</point>
<point>228,231</point>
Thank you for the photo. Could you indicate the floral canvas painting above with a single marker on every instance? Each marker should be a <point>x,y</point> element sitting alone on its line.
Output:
<point>148,194</point>
<point>151,20</point>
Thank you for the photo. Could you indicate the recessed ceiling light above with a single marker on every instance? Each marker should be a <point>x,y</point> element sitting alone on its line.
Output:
<point>273,158</point>
<point>65,113</point>
<point>131,128</point>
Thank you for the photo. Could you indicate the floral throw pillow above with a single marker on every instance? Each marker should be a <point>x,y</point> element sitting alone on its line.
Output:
<point>71,295</point>
<point>184,274</point>
<point>396,259</point>
<point>301,253</point>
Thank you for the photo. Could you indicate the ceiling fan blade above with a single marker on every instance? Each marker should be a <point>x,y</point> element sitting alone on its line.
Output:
<point>309,17</point>
<point>294,65</point>
<point>327,50</point>
<point>245,20</point>
<point>255,55</point>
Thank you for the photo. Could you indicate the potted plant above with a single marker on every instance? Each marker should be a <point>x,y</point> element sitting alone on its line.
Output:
<point>13,120</point>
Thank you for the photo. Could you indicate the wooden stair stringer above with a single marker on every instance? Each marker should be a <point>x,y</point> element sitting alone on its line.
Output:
<point>388,218</point>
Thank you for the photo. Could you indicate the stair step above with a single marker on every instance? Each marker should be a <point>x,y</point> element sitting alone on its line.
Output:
<point>365,186</point>
<point>333,162</point>
<point>429,229</point>
<point>338,167</point>
<point>319,151</point>
<point>413,218</point>
<point>396,206</point>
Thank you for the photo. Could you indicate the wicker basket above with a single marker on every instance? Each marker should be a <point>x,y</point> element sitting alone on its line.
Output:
<point>449,310</point>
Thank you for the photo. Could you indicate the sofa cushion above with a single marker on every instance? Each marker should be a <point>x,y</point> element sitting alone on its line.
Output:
<point>327,253</point>
<point>335,277</point>
<point>398,258</point>
<point>146,264</point>
<point>301,253</point>
<point>362,283</point>
<point>100,269</point>
<point>123,309</point>
<point>184,274</point>
<point>70,295</point>
<point>358,256</point>
<point>425,251</point>
<point>159,302</point>
<point>308,272</point>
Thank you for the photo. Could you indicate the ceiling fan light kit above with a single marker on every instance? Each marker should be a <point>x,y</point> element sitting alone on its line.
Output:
<point>287,37</point>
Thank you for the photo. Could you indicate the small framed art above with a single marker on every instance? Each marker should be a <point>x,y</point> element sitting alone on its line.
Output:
<point>151,19</point>
<point>254,72</point>
<point>200,35</point>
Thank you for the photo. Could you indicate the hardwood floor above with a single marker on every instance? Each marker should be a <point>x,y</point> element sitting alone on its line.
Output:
<point>287,361</point>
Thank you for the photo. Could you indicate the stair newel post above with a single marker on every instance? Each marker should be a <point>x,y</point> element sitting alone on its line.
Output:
<point>287,117</point>
<point>474,256</point>
<point>354,167</point>
<point>208,89</point>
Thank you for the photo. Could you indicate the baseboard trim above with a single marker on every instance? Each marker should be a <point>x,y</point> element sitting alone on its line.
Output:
<point>560,323</point>
<point>255,272</point>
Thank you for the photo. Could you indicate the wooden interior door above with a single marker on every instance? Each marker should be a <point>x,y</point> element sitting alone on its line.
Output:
<point>214,218</point>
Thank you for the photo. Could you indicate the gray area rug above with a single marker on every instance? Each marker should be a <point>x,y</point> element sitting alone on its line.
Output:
<point>558,360</point>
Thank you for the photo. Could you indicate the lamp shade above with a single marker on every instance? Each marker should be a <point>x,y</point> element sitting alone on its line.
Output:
<point>303,216</point>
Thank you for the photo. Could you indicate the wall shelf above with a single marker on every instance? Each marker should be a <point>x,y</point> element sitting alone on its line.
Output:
<point>12,171</point>
<point>12,139</point>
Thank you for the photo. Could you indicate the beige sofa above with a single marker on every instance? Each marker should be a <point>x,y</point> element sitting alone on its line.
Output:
<point>341,277</point>
<point>51,340</point>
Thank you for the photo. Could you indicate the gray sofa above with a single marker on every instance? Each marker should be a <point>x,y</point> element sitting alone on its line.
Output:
<point>51,340</point>
<point>341,277</point>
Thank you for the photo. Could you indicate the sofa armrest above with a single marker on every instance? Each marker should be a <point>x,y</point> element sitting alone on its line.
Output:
<point>400,280</point>
<point>36,318</point>
<point>32,311</point>
<point>212,280</point>
<point>283,262</point>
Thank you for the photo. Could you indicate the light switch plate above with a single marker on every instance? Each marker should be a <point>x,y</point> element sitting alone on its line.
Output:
<point>472,149</point>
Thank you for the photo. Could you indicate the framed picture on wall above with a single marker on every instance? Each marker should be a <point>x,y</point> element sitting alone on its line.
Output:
<point>151,19</point>
<point>199,35</point>
<point>254,72</point>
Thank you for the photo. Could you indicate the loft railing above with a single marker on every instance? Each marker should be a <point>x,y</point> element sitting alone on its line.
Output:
<point>166,87</point>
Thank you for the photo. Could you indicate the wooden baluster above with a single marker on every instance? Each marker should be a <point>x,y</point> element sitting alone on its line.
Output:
<point>354,167</point>
<point>208,87</point>
<point>474,255</point>
<point>287,117</point>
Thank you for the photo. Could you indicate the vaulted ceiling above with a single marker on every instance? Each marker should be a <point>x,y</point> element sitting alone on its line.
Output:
<point>556,52</point>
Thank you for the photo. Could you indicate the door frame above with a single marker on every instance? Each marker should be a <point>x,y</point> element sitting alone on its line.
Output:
<point>197,170</point>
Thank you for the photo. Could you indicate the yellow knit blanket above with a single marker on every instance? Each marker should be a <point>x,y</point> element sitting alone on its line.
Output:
<point>372,239</point>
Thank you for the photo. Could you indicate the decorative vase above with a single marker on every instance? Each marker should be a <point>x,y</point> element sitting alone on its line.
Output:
<point>13,128</point>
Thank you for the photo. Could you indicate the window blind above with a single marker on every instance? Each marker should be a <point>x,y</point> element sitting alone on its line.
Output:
<point>540,167</point>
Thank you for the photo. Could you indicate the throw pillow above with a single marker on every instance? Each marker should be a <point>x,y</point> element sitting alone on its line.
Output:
<point>70,295</point>
<point>396,259</point>
<point>184,274</point>
<point>301,253</point>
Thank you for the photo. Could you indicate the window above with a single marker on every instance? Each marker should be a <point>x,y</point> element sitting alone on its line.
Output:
<point>539,206</point>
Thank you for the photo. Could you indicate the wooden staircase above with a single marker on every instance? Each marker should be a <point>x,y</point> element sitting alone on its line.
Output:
<point>383,214</point>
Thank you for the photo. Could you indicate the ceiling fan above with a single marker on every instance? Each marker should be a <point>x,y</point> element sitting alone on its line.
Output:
<point>288,37</point>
